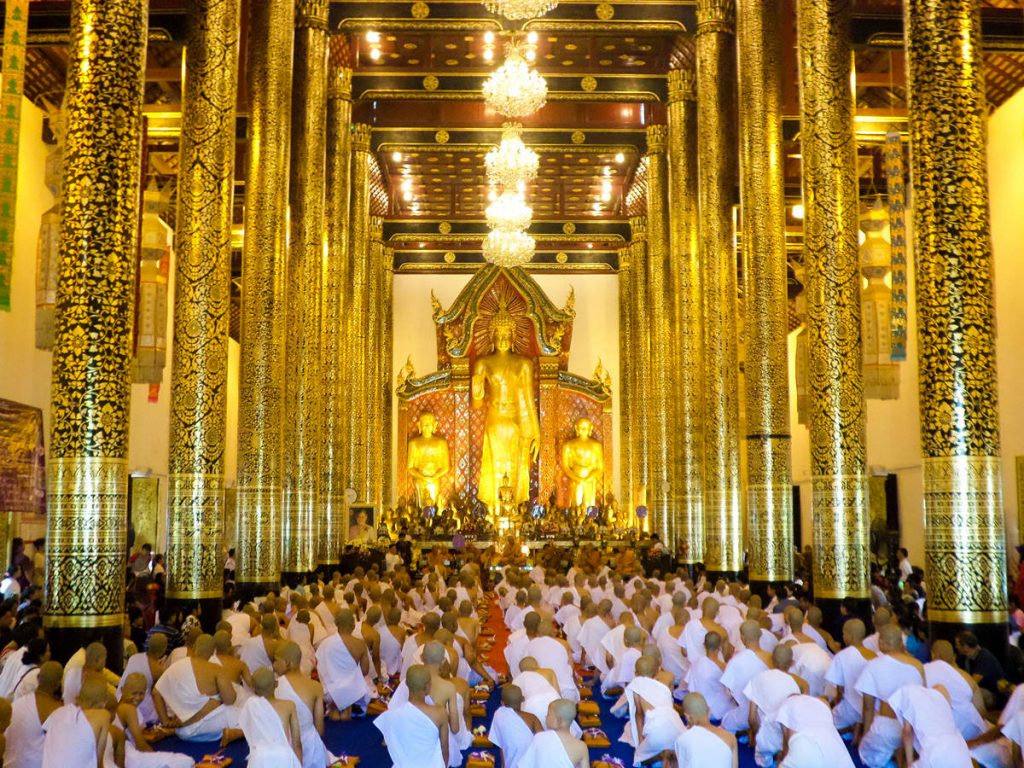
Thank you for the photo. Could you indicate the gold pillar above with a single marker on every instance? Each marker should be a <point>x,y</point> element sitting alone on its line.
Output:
<point>716,194</point>
<point>264,257</point>
<point>766,304</point>
<point>626,361</point>
<point>640,390</point>
<point>202,303</point>
<point>386,375</point>
<point>307,243</point>
<point>373,368</point>
<point>964,540</point>
<point>87,472</point>
<point>358,355</point>
<point>687,345</point>
<point>839,487</point>
<point>335,305</point>
<point>661,458</point>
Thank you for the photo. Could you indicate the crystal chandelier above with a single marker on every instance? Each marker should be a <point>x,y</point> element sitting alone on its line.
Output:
<point>509,211</point>
<point>515,90</point>
<point>516,10</point>
<point>512,162</point>
<point>508,248</point>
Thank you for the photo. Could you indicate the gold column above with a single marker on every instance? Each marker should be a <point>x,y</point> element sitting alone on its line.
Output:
<point>357,353</point>
<point>303,386</point>
<point>626,361</point>
<point>335,305</point>
<point>716,194</point>
<point>640,390</point>
<point>661,458</point>
<point>87,472</point>
<point>264,257</point>
<point>839,497</point>
<point>202,301</point>
<point>964,540</point>
<point>373,367</point>
<point>387,375</point>
<point>766,304</point>
<point>687,345</point>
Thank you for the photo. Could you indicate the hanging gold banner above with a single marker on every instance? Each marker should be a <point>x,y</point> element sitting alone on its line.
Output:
<point>898,241</point>
<point>15,30</point>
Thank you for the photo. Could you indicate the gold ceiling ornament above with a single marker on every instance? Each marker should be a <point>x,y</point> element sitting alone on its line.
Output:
<point>511,164</point>
<point>561,257</point>
<point>520,10</point>
<point>605,11</point>
<point>508,248</point>
<point>441,137</point>
<point>578,137</point>
<point>444,227</point>
<point>449,257</point>
<point>589,84</point>
<point>430,83</point>
<point>515,89</point>
<point>569,228</point>
<point>420,10</point>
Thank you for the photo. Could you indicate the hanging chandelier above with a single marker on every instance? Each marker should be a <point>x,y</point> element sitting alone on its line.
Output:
<point>509,211</point>
<point>515,90</point>
<point>516,10</point>
<point>508,248</point>
<point>511,162</point>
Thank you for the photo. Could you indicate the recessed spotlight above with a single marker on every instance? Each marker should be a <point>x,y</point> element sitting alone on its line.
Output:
<point>488,37</point>
<point>375,53</point>
<point>590,245</point>
<point>492,196</point>
<point>532,38</point>
<point>407,196</point>
<point>396,156</point>
<point>531,54</point>
<point>798,211</point>
<point>372,36</point>
<point>620,158</point>
<point>607,171</point>
<point>488,54</point>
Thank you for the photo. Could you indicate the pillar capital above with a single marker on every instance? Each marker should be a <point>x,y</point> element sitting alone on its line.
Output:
<point>311,14</point>
<point>361,133</point>
<point>339,83</point>
<point>656,138</point>
<point>716,16</point>
<point>682,85</point>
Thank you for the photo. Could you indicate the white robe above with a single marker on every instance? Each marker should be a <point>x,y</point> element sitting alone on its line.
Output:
<point>1013,729</point>
<point>341,676</point>
<point>551,654</point>
<point>705,678</point>
<point>12,671</point>
<point>69,740</point>
<point>241,628</point>
<point>1014,705</point>
<point>25,735</point>
<point>412,738</point>
<point>738,672</point>
<point>815,741</point>
<point>812,663</point>
<point>177,685</point>
<point>662,724</point>
<point>936,738</point>
<point>139,664</point>
<point>691,639</point>
<point>510,733</point>
<point>768,691</point>
<point>390,653</point>
<point>326,618</point>
<point>302,636</point>
<point>515,650</point>
<point>623,672</point>
<point>545,751</point>
<point>698,747</point>
<point>672,658</point>
<point>843,672</point>
<point>29,683</point>
<point>133,758</point>
<point>591,634</point>
<point>881,678</point>
<point>72,684</point>
<point>254,654</point>
<point>314,752</point>
<point>269,745</point>
<point>970,723</point>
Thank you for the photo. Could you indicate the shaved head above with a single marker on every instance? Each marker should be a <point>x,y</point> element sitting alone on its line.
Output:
<point>782,656</point>
<point>881,618</point>
<point>431,623</point>
<point>222,641</point>
<point>695,707</point>
<point>434,653</point>
<point>345,621</point>
<point>51,674</point>
<point>942,650</point>
<point>890,639</point>
<point>417,678</point>
<point>646,667</point>
<point>512,696</point>
<point>561,712</point>
<point>95,656</point>
<point>269,624</point>
<point>290,654</point>
<point>263,681</point>
<point>204,646</point>
<point>633,636</point>
<point>93,694</point>
<point>133,684</point>
<point>157,645</point>
<point>750,632</point>
<point>854,632</point>
<point>528,664</point>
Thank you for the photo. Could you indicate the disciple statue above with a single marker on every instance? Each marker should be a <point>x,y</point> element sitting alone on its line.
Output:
<point>583,464</point>
<point>428,461</point>
<point>503,385</point>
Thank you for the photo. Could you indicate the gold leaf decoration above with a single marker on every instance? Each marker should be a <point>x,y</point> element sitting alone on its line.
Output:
<point>569,228</point>
<point>420,10</point>
<point>578,137</point>
<point>430,82</point>
<point>588,84</point>
<point>605,11</point>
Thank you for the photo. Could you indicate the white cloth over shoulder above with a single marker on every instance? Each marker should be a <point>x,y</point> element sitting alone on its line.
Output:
<point>551,654</point>
<point>24,735</point>
<point>738,672</point>
<point>545,751</point>
<point>698,747</point>
<point>881,678</point>
<point>254,654</point>
<point>812,663</point>
<point>69,740</point>
<point>341,674</point>
<point>817,742</point>
<point>843,672</point>
<point>510,733</point>
<point>12,671</point>
<point>591,633</point>
<point>314,752</point>
<point>302,636</point>
<point>390,653</point>
<point>768,690</point>
<point>269,746</point>
<point>139,664</point>
<point>705,678</point>
<point>662,724</point>
<point>623,672</point>
<point>180,691</point>
<point>936,738</point>
<point>412,738</point>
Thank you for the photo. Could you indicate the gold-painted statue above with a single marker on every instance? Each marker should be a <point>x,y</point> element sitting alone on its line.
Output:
<point>503,384</point>
<point>583,464</point>
<point>428,461</point>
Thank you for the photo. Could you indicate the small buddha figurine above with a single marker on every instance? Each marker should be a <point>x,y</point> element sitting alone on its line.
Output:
<point>428,461</point>
<point>583,464</point>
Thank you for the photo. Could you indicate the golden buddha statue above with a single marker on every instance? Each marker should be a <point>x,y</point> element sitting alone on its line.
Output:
<point>583,464</point>
<point>503,384</point>
<point>428,461</point>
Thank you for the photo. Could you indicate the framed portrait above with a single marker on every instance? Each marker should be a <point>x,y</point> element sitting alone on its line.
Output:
<point>362,524</point>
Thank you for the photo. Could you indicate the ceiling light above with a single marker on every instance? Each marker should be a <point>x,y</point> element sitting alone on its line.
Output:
<point>516,10</point>
<point>488,54</point>
<point>375,53</point>
<point>620,158</point>
<point>509,212</point>
<point>798,211</point>
<point>396,157</point>
<point>488,37</point>
<point>511,162</point>
<point>514,89</point>
<point>532,38</point>
<point>373,37</point>
<point>531,55</point>
<point>508,248</point>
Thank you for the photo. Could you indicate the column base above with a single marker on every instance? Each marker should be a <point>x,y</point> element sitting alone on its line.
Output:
<point>994,637</point>
<point>294,579</point>
<point>727,576</point>
<point>210,610</point>
<point>65,642</point>
<point>832,615</point>
<point>245,591</point>
<point>760,588</point>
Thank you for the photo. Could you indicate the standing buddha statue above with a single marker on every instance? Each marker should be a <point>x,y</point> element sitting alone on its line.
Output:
<point>583,464</point>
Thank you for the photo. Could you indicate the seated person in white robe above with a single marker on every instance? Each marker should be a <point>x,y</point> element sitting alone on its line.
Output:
<point>843,672</point>
<point>881,678</point>
<point>551,654</point>
<point>811,663</point>
<point>556,747</point>
<point>766,692</point>
<point>654,725</point>
<point>25,735</point>
<point>810,736</point>
<point>705,677</point>
<point>515,648</point>
<point>93,668</point>
<point>692,638</point>
<point>415,732</point>
<point>624,669</point>
<point>928,728</point>
<point>592,631</point>
<point>270,726</point>
<point>343,663</point>
<point>242,623</point>
<point>704,745</point>
<point>539,687</point>
<point>258,651</point>
<point>138,753</point>
<point>76,734</point>
<point>150,665</point>
<point>308,696</point>
<point>195,697</point>
<point>512,729</point>
<point>741,670</point>
<point>390,646</point>
<point>300,632</point>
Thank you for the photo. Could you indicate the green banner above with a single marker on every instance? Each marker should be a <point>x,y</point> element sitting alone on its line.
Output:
<point>13,79</point>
